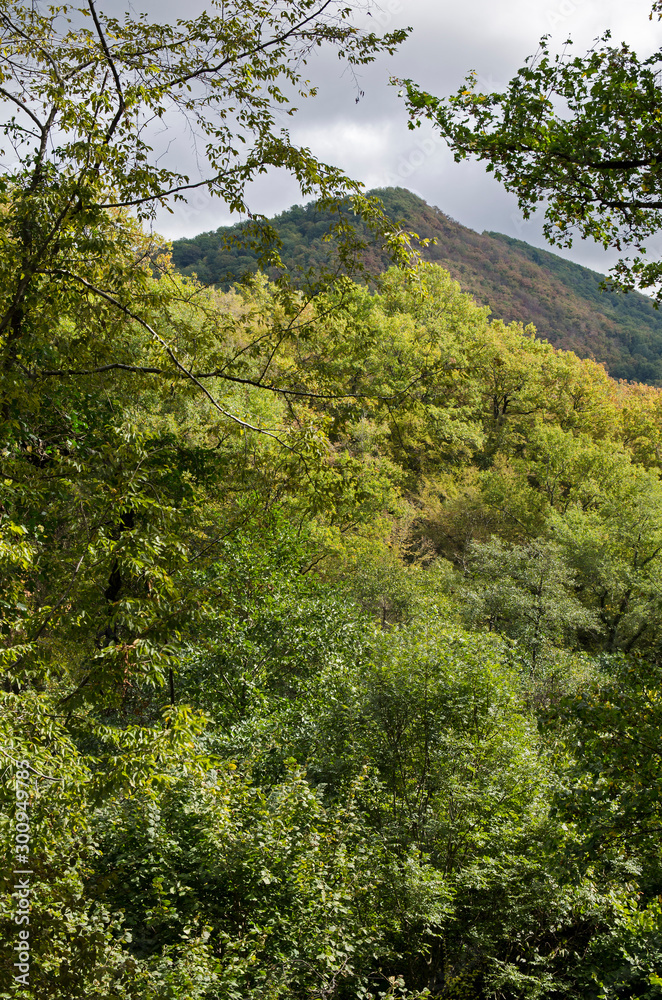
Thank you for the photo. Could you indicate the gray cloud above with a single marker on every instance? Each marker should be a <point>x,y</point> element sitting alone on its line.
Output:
<point>370,139</point>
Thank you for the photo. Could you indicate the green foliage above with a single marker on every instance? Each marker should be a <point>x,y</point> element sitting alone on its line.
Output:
<point>527,593</point>
<point>281,887</point>
<point>576,132</point>
<point>616,721</point>
<point>282,766</point>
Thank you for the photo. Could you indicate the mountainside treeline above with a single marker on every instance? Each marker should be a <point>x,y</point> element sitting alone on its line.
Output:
<point>517,281</point>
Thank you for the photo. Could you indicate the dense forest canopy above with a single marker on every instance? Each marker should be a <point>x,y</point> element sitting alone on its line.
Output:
<point>330,614</point>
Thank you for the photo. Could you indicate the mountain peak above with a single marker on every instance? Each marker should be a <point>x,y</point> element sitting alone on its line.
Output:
<point>517,281</point>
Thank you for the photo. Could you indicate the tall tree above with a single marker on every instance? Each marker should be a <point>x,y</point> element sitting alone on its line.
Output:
<point>87,304</point>
<point>80,100</point>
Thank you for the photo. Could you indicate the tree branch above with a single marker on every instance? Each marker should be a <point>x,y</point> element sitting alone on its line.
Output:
<point>23,107</point>
<point>163,194</point>
<point>276,40</point>
<point>29,767</point>
<point>218,373</point>
<point>171,354</point>
<point>113,69</point>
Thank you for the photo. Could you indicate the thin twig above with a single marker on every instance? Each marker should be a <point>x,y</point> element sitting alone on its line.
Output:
<point>18,763</point>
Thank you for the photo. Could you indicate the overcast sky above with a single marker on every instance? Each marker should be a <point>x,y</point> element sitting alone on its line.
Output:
<point>370,140</point>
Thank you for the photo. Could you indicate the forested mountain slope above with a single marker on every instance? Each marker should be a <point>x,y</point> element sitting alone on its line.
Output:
<point>517,281</point>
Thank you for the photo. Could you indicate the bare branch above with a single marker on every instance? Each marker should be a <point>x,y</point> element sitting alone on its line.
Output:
<point>26,38</point>
<point>276,40</point>
<point>163,194</point>
<point>23,107</point>
<point>221,374</point>
<point>113,69</point>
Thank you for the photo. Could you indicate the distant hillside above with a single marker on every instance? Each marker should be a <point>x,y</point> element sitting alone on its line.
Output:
<point>517,281</point>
